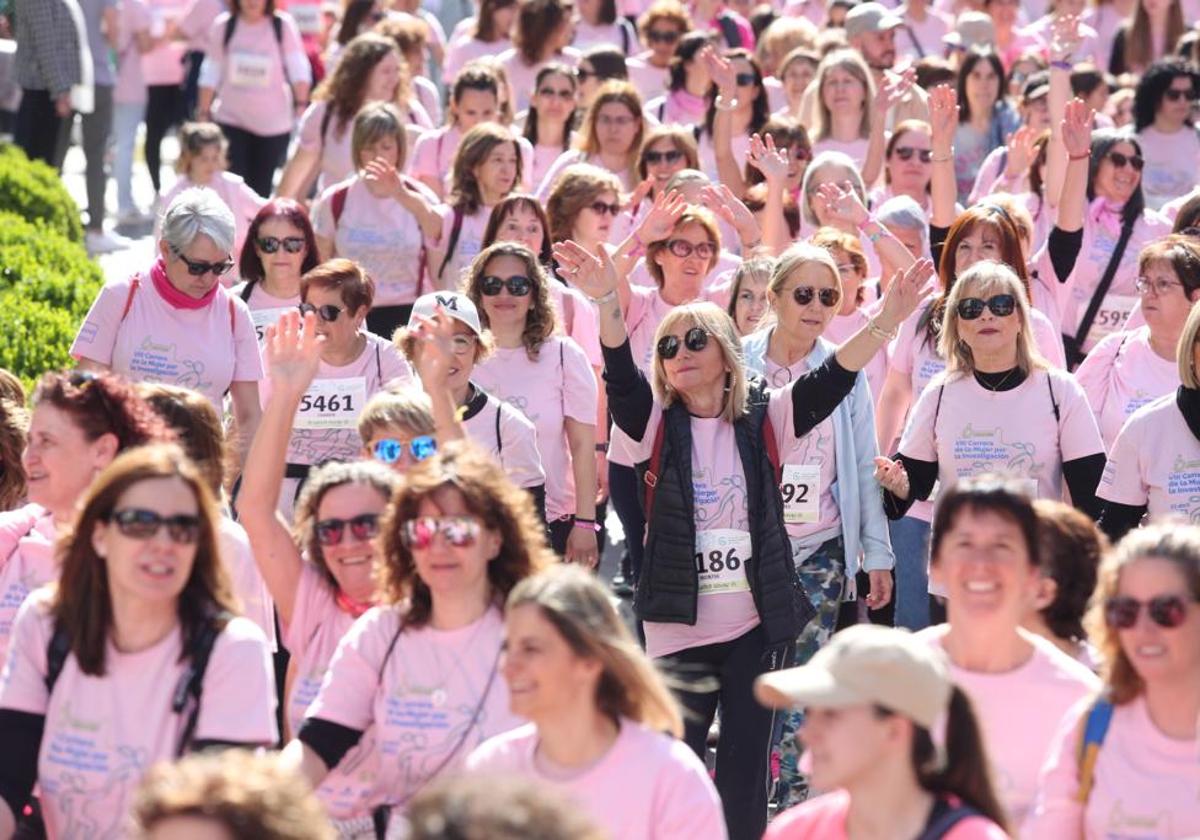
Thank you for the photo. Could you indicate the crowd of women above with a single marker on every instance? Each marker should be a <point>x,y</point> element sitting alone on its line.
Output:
<point>871,347</point>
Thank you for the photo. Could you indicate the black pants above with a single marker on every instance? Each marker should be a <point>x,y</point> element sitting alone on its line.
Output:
<point>164,109</point>
<point>723,675</point>
<point>625,493</point>
<point>40,131</point>
<point>848,613</point>
<point>383,320</point>
<point>256,157</point>
<point>191,81</point>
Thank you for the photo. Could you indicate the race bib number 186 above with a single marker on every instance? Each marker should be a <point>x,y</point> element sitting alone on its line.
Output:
<point>721,557</point>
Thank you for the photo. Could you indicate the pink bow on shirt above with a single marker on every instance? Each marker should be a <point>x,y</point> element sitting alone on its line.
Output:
<point>1106,214</point>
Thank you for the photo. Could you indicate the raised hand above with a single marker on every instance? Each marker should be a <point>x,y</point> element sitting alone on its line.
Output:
<point>720,69</point>
<point>892,476</point>
<point>842,203</point>
<point>773,163</point>
<point>943,118</point>
<point>721,200</point>
<point>906,292</point>
<point>1077,128</point>
<point>639,194</point>
<point>382,179</point>
<point>292,352</point>
<point>893,91</point>
<point>660,221</point>
<point>1020,151</point>
<point>594,276</point>
<point>1066,34</point>
<point>435,356</point>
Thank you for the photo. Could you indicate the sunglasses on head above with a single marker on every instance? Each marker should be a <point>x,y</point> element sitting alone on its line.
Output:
<point>363,527</point>
<point>828,295</point>
<point>1121,611</point>
<point>695,339</point>
<point>140,524</point>
<point>1001,305</point>
<point>326,312</point>
<point>907,152</point>
<point>662,36</point>
<point>198,268</point>
<point>600,208</point>
<point>745,79</point>
<point>583,73</point>
<point>1174,94</point>
<point>670,156</point>
<point>270,244</point>
<point>518,285</point>
<point>458,531</point>
<point>684,249</point>
<point>1119,160</point>
<point>391,450</point>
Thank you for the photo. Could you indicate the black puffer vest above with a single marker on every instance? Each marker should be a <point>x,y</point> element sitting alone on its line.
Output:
<point>668,588</point>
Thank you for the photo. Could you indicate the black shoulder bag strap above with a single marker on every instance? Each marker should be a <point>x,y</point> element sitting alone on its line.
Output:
<point>943,818</point>
<point>191,684</point>
<point>56,656</point>
<point>452,241</point>
<point>1074,345</point>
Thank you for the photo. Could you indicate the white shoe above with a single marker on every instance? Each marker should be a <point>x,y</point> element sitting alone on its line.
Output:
<point>100,242</point>
<point>133,216</point>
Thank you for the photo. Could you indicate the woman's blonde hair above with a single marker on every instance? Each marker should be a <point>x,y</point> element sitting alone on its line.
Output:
<point>852,62</point>
<point>540,320</point>
<point>984,279</point>
<point>621,93</point>
<point>374,122</point>
<point>721,329</point>
<point>1185,350</point>
<point>576,187</point>
<point>793,259</point>
<point>582,613</point>
<point>692,216</point>
<point>1175,542</point>
<point>407,407</point>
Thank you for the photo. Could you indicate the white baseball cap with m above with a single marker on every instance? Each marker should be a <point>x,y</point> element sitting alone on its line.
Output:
<point>457,306</point>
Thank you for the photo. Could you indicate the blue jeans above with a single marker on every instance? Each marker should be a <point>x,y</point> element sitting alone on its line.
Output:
<point>910,543</point>
<point>127,116</point>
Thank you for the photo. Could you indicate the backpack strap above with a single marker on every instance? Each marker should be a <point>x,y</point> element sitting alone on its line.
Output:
<point>326,119</point>
<point>768,430</point>
<point>943,818</point>
<point>230,25</point>
<point>452,243</point>
<point>247,290</point>
<point>191,684</point>
<point>378,365</point>
<point>57,651</point>
<point>337,203</point>
<point>499,439</point>
<point>654,470</point>
<point>1094,730</point>
<point>133,287</point>
<point>624,27</point>
<point>1074,344</point>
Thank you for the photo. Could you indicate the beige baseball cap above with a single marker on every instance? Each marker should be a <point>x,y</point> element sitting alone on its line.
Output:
<point>866,664</point>
<point>870,17</point>
<point>970,30</point>
<point>454,304</point>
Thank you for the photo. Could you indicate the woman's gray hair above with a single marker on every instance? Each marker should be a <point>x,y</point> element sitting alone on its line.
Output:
<point>824,159</point>
<point>902,211</point>
<point>198,212</point>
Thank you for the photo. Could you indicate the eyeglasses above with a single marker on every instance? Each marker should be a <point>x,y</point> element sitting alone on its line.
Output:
<point>684,249</point>
<point>583,73</point>
<point>364,527</point>
<point>907,152</point>
<point>670,156</point>
<point>662,36</point>
<point>1190,231</point>
<point>459,531</point>
<point>518,285</point>
<point>828,295</point>
<point>1121,611</point>
<point>745,79</point>
<point>600,208</point>
<point>198,268</point>
<point>565,94</point>
<point>695,339</point>
<point>461,345</point>
<point>621,121</point>
<point>1001,305</point>
<point>801,153</point>
<point>1119,160</point>
<point>1174,94</point>
<point>375,17</point>
<point>391,450</point>
<point>141,524</point>
<point>326,312</point>
<point>270,244</point>
<point>1159,287</point>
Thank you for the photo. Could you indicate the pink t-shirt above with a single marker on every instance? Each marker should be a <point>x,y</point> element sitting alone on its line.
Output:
<point>433,154</point>
<point>241,200</point>
<point>465,50</point>
<point>248,584</point>
<point>1019,712</point>
<point>337,164</point>
<point>824,818</point>
<point>545,159</point>
<point>265,309</point>
<point>198,20</point>
<point>559,385</point>
<point>574,156</point>
<point>508,435</point>
<point>103,733</point>
<point>435,697</point>
<point>1122,374</point>
<point>163,65</point>
<point>130,88</point>
<point>649,80</point>
<point>708,153</point>
<point>1144,784</point>
<point>919,38</point>
<point>663,789</point>
<point>312,637</point>
<point>855,149</point>
<point>27,544</point>
<point>578,319</point>
<point>253,88</point>
<point>204,349</point>
<point>468,246</point>
<point>1155,461</point>
<point>522,77</point>
<point>1172,161</point>
<point>677,107</point>
<point>975,430</point>
<point>842,327</point>
<point>380,235</point>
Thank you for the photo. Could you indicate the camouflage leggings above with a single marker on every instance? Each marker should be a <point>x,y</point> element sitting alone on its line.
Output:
<point>823,574</point>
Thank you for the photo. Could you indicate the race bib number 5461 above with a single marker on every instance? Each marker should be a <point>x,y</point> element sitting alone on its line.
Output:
<point>721,557</point>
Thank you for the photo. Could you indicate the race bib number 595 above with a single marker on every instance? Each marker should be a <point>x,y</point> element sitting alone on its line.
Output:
<point>721,557</point>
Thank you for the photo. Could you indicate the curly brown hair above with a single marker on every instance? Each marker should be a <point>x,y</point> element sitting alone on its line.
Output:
<point>14,426</point>
<point>473,150</point>
<point>103,403</point>
<point>346,88</point>
<point>576,187</point>
<point>540,320</point>
<point>490,496</point>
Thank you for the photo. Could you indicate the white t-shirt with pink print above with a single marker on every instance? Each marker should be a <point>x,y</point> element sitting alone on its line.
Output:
<point>27,538</point>
<point>1122,374</point>
<point>103,733</point>
<point>507,435</point>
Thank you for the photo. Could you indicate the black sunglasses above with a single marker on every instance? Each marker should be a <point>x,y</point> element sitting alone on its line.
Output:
<point>695,339</point>
<point>1174,94</point>
<point>518,285</point>
<point>198,268</point>
<point>270,244</point>
<point>1119,160</point>
<point>326,312</point>
<point>671,156</point>
<point>907,152</point>
<point>745,79</point>
<point>141,524</point>
<point>662,36</point>
<point>365,526</point>
<point>828,296</point>
<point>1121,611</point>
<point>582,73</point>
<point>600,208</point>
<point>1001,305</point>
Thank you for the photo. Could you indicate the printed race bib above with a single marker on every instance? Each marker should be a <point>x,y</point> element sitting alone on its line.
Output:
<point>307,17</point>
<point>801,491</point>
<point>249,70</point>
<point>1111,316</point>
<point>264,318</point>
<point>332,403</point>
<point>721,557</point>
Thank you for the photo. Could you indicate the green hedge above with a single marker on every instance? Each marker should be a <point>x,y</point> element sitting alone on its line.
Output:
<point>33,191</point>
<point>34,337</point>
